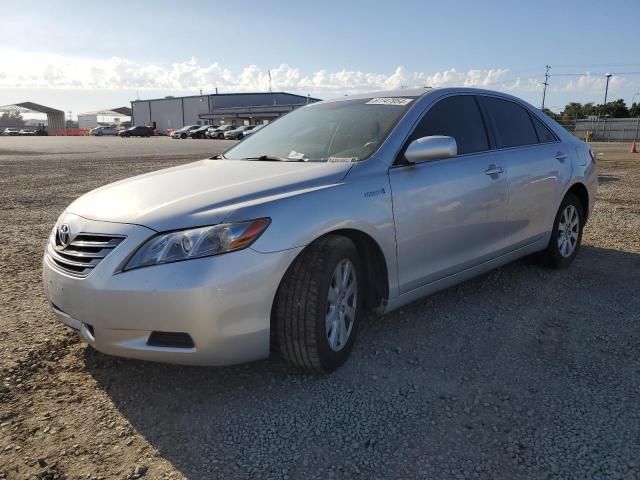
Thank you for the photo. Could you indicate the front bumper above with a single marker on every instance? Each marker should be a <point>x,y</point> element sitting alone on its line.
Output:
<point>223,302</point>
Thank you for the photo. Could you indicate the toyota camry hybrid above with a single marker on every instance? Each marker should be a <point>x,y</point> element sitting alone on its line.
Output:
<point>284,242</point>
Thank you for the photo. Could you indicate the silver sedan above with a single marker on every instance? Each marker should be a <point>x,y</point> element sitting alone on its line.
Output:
<point>361,203</point>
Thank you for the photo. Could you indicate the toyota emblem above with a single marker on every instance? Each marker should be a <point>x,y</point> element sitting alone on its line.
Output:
<point>64,235</point>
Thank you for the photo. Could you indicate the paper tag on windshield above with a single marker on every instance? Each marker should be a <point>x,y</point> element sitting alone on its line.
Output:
<point>389,101</point>
<point>295,155</point>
<point>342,159</point>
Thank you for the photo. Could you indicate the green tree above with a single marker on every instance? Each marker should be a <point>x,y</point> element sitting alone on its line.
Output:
<point>11,119</point>
<point>634,111</point>
<point>589,109</point>
<point>572,110</point>
<point>616,109</point>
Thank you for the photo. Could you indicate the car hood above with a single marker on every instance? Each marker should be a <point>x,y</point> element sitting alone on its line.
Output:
<point>202,193</point>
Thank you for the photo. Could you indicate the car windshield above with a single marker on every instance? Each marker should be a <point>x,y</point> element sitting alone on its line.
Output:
<point>343,131</point>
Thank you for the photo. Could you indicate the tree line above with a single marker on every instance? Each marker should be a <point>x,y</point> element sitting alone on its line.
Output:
<point>615,109</point>
<point>11,119</point>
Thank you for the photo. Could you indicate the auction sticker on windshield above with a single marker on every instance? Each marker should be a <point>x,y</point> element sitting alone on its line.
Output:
<point>389,101</point>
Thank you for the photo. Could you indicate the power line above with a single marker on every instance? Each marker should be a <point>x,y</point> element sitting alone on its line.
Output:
<point>593,74</point>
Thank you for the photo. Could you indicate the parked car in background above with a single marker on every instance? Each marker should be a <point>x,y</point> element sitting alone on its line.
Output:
<point>99,131</point>
<point>200,132</point>
<point>210,131</point>
<point>238,133</point>
<point>27,132</point>
<point>361,203</point>
<point>11,131</point>
<point>220,131</point>
<point>139,131</point>
<point>254,129</point>
<point>184,132</point>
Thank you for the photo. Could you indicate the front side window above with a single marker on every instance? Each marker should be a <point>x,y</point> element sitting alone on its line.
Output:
<point>458,117</point>
<point>342,131</point>
<point>511,122</point>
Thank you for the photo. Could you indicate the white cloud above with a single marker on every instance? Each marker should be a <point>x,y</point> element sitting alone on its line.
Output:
<point>31,70</point>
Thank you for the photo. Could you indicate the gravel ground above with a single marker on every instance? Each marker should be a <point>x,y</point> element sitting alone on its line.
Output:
<point>521,373</point>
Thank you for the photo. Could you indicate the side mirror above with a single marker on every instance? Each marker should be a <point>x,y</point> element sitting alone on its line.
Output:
<point>435,147</point>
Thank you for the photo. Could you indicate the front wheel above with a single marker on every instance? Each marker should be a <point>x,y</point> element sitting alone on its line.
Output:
<point>566,236</point>
<point>318,305</point>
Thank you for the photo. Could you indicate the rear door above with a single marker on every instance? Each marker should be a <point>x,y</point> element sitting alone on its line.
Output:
<point>538,167</point>
<point>449,214</point>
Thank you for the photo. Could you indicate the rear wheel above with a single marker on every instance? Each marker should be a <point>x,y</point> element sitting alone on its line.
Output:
<point>566,236</point>
<point>317,308</point>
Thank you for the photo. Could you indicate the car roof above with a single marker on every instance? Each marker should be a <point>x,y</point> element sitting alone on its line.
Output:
<point>421,92</point>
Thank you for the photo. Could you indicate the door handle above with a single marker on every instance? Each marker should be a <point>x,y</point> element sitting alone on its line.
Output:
<point>493,170</point>
<point>561,156</point>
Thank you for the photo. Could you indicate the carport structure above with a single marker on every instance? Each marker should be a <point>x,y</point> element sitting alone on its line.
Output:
<point>90,119</point>
<point>55,117</point>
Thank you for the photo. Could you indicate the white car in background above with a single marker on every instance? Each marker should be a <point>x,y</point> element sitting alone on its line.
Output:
<point>99,131</point>
<point>184,132</point>
<point>238,133</point>
<point>11,131</point>
<point>220,131</point>
<point>254,129</point>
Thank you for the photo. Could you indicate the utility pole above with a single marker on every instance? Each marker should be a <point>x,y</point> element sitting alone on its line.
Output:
<point>269,80</point>
<point>545,83</point>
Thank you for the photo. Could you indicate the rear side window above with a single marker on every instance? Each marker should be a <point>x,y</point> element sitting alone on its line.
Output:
<point>458,117</point>
<point>544,134</point>
<point>512,123</point>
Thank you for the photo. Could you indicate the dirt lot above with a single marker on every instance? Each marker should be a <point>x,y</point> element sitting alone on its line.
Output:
<point>522,373</point>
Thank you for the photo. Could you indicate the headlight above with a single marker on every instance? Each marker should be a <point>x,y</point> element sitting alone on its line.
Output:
<point>197,243</point>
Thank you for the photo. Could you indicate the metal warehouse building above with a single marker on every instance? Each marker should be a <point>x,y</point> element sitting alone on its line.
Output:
<point>225,108</point>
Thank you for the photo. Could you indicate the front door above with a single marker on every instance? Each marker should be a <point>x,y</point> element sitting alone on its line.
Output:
<point>449,214</point>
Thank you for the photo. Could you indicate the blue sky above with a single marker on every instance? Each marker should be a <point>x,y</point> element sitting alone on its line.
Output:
<point>89,55</point>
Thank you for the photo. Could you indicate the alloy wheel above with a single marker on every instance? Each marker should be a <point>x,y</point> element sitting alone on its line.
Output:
<point>568,231</point>
<point>342,301</point>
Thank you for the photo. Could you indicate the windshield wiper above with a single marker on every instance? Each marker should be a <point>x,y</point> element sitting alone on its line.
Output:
<point>219,156</point>
<point>271,158</point>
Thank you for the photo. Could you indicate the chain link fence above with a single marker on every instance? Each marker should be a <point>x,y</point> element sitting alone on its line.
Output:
<point>604,129</point>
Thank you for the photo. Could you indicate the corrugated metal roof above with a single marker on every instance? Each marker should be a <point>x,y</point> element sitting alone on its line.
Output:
<point>30,107</point>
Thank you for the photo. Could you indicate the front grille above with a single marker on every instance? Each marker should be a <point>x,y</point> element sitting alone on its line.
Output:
<point>83,254</point>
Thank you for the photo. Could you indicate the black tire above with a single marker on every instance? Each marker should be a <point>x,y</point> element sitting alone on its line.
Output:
<point>551,256</point>
<point>301,304</point>
<point>240,136</point>
<point>221,136</point>
<point>183,136</point>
